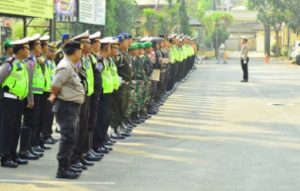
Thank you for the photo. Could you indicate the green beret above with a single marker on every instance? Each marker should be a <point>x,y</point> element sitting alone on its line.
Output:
<point>7,44</point>
<point>133,46</point>
<point>147,44</point>
<point>140,45</point>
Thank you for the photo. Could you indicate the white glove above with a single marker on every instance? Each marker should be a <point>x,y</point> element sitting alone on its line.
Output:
<point>120,80</point>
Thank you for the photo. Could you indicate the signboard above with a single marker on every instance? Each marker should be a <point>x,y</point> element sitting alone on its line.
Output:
<point>92,11</point>
<point>30,8</point>
<point>66,10</point>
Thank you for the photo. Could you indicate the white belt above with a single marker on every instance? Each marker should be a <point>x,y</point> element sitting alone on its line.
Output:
<point>8,95</point>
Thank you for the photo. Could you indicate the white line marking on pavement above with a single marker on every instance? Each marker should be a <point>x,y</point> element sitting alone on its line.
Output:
<point>55,182</point>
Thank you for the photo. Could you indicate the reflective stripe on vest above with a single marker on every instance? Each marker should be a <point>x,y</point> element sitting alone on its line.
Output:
<point>107,81</point>
<point>87,65</point>
<point>38,80</point>
<point>49,74</point>
<point>114,73</point>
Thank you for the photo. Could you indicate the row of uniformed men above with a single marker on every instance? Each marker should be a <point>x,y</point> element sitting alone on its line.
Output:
<point>97,83</point>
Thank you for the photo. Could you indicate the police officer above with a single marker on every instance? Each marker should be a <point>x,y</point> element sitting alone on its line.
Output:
<point>8,51</point>
<point>125,72</point>
<point>87,78</point>
<point>68,94</point>
<point>29,147</point>
<point>47,114</point>
<point>65,38</point>
<point>105,106</point>
<point>14,81</point>
<point>97,66</point>
<point>245,59</point>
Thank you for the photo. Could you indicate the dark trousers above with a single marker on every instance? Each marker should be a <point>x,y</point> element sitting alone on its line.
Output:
<point>170,77</point>
<point>104,115</point>
<point>31,130</point>
<point>67,117</point>
<point>10,122</point>
<point>47,116</point>
<point>93,117</point>
<point>176,73</point>
<point>116,106</point>
<point>83,133</point>
<point>245,68</point>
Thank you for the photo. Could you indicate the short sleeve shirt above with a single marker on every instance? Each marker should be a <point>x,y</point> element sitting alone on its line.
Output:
<point>68,81</point>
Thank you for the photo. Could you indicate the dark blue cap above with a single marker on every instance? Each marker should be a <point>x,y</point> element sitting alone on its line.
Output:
<point>71,47</point>
<point>121,37</point>
<point>126,35</point>
<point>65,36</point>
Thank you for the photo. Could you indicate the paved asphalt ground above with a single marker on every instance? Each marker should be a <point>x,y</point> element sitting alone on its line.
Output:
<point>213,134</point>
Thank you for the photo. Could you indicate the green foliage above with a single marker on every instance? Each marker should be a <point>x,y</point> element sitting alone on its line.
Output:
<point>285,51</point>
<point>111,23</point>
<point>184,19</point>
<point>273,13</point>
<point>216,24</point>
<point>274,50</point>
<point>126,15</point>
<point>150,23</point>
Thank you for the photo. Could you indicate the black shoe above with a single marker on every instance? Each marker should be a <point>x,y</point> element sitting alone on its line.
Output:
<point>92,158</point>
<point>38,149</point>
<point>9,164</point>
<point>67,174</point>
<point>117,136</point>
<point>131,123</point>
<point>86,163</point>
<point>108,143</point>
<point>124,133</point>
<point>38,154</point>
<point>107,148</point>
<point>55,140</point>
<point>28,156</point>
<point>102,150</point>
<point>112,141</point>
<point>96,154</point>
<point>152,112</point>
<point>45,147</point>
<point>244,81</point>
<point>78,170</point>
<point>79,165</point>
<point>20,161</point>
<point>136,121</point>
<point>49,141</point>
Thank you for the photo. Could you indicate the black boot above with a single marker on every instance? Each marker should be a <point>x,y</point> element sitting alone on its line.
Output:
<point>65,172</point>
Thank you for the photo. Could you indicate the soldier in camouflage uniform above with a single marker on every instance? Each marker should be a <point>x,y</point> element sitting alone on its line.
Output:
<point>149,59</point>
<point>135,83</point>
<point>143,87</point>
<point>8,48</point>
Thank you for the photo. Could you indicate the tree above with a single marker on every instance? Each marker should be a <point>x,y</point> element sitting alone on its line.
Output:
<point>150,20</point>
<point>270,13</point>
<point>216,25</point>
<point>126,13</point>
<point>111,23</point>
<point>184,19</point>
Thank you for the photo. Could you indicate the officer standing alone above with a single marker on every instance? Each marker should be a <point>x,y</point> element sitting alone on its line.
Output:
<point>245,59</point>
